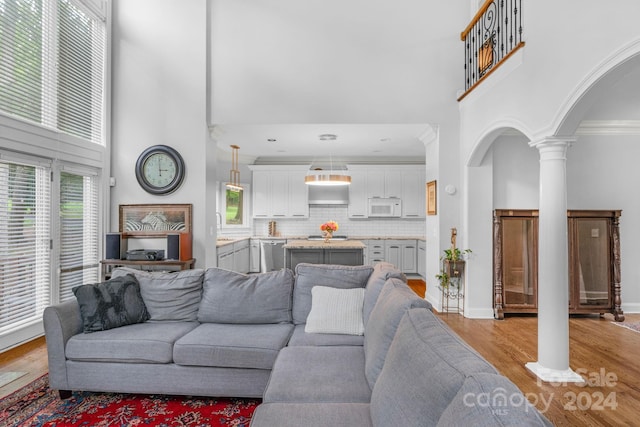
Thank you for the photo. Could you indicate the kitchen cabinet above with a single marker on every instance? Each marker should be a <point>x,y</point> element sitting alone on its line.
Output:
<point>278,192</point>
<point>413,194</point>
<point>594,262</point>
<point>402,253</point>
<point>405,182</point>
<point>384,182</point>
<point>358,194</point>
<point>225,256</point>
<point>339,256</point>
<point>254,256</point>
<point>241,256</point>
<point>234,256</point>
<point>422,259</point>
<point>375,252</point>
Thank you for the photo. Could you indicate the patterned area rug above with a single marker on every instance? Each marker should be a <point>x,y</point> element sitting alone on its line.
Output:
<point>37,405</point>
<point>634,326</point>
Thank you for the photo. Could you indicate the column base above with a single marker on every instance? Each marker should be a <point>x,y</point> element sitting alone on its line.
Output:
<point>554,375</point>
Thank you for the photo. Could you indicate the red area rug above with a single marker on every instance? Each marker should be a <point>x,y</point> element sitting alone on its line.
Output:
<point>37,405</point>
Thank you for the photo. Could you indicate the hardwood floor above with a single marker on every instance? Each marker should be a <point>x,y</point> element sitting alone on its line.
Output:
<point>599,350</point>
<point>30,358</point>
<point>603,353</point>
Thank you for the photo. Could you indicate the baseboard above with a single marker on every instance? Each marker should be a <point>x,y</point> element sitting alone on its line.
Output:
<point>631,308</point>
<point>478,313</point>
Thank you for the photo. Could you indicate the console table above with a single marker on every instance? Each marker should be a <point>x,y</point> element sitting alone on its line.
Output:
<point>165,265</point>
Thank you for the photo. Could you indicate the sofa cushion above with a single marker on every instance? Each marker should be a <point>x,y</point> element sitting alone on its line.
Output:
<point>319,374</point>
<point>424,345</point>
<point>111,304</point>
<point>487,400</point>
<point>233,346</point>
<point>311,415</point>
<point>169,296</point>
<point>382,271</point>
<point>231,297</point>
<point>335,276</point>
<point>140,343</point>
<point>394,300</point>
<point>300,337</point>
<point>335,311</point>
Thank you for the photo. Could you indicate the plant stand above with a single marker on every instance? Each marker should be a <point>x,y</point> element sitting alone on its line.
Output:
<point>452,296</point>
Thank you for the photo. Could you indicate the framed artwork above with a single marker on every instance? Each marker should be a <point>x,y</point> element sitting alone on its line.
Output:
<point>154,220</point>
<point>431,198</point>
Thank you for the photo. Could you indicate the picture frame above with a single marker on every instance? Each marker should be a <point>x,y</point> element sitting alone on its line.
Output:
<point>155,220</point>
<point>432,198</point>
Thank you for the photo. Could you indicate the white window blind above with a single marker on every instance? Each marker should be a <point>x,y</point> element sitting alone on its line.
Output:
<point>52,60</point>
<point>78,232</point>
<point>24,244</point>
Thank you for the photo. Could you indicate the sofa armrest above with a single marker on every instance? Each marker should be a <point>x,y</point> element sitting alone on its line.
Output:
<point>61,322</point>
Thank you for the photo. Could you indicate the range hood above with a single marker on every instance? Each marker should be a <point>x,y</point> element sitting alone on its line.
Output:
<point>328,195</point>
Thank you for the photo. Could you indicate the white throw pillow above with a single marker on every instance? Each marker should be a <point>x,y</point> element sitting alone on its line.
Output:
<point>336,311</point>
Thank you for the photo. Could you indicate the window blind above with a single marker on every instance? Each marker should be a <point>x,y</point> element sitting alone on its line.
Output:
<point>52,60</point>
<point>78,232</point>
<point>25,272</point>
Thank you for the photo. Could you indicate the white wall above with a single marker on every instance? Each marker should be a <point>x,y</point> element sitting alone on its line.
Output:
<point>160,97</point>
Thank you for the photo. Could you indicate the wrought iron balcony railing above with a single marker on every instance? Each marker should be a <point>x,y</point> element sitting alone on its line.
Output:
<point>494,34</point>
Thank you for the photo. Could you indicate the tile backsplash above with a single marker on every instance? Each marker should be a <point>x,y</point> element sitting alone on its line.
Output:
<point>319,214</point>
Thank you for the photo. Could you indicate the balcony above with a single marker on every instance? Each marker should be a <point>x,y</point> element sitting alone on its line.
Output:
<point>494,34</point>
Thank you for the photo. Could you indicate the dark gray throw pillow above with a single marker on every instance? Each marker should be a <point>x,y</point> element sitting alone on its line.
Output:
<point>110,304</point>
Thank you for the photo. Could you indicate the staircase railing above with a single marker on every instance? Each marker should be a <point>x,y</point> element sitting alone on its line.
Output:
<point>494,34</point>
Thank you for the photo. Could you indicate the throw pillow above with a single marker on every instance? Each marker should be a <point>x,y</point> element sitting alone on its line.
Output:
<point>110,304</point>
<point>169,296</point>
<point>230,297</point>
<point>335,276</point>
<point>335,311</point>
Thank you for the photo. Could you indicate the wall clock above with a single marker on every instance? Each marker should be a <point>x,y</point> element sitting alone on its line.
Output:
<point>160,169</point>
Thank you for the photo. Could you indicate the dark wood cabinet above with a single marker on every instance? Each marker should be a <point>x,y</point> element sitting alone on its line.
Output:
<point>594,262</point>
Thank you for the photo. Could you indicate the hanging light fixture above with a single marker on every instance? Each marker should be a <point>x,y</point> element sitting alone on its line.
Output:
<point>319,176</point>
<point>234,172</point>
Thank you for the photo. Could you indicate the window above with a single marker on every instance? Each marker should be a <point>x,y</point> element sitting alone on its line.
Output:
<point>78,232</point>
<point>52,56</point>
<point>235,207</point>
<point>24,244</point>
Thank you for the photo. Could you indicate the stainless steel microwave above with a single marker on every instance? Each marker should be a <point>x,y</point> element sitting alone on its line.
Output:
<point>385,207</point>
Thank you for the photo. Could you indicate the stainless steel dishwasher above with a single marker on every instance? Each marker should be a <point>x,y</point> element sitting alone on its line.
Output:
<point>271,254</point>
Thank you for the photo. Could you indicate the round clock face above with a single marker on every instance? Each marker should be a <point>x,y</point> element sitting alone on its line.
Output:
<point>160,169</point>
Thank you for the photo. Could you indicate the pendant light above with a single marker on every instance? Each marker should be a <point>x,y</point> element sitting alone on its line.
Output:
<point>234,172</point>
<point>319,176</point>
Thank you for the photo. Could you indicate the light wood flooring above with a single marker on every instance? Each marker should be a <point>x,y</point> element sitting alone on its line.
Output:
<point>598,348</point>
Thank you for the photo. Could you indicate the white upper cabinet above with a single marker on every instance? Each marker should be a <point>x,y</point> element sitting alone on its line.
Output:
<point>358,194</point>
<point>413,194</point>
<point>279,192</point>
<point>405,182</point>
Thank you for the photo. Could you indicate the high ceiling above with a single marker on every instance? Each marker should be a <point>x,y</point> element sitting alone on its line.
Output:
<point>268,143</point>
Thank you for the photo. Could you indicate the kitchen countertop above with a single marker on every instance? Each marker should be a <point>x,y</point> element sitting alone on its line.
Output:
<point>229,240</point>
<point>320,244</point>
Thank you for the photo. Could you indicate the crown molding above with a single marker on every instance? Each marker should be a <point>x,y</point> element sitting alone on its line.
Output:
<point>609,127</point>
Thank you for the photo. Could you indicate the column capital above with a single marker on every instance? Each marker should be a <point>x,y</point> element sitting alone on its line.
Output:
<point>555,142</point>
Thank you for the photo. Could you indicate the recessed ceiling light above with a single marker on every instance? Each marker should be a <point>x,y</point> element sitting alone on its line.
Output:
<point>385,139</point>
<point>271,140</point>
<point>327,137</point>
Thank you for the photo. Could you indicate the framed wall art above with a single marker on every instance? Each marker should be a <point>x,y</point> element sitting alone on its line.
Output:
<point>154,220</point>
<point>431,198</point>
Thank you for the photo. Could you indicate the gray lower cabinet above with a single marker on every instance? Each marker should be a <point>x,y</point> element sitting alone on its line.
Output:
<point>324,256</point>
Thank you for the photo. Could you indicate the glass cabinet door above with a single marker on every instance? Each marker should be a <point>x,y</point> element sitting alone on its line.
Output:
<point>590,272</point>
<point>519,262</point>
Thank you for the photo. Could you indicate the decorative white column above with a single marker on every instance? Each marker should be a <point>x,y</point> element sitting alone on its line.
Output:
<point>553,265</point>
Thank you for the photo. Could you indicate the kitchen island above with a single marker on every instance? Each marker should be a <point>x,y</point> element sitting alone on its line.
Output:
<point>343,252</point>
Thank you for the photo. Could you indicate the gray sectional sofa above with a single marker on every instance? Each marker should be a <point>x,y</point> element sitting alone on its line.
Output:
<point>217,333</point>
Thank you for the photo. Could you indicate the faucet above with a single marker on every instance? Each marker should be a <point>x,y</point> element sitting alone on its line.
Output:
<point>219,217</point>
